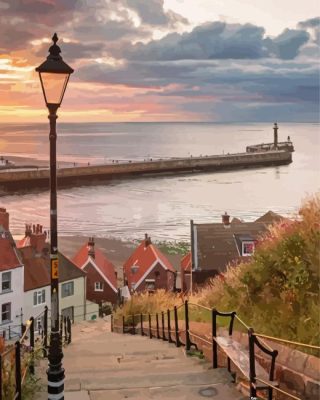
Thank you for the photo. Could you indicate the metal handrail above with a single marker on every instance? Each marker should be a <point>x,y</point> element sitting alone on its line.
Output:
<point>311,346</point>
<point>278,389</point>
<point>200,306</point>
<point>200,337</point>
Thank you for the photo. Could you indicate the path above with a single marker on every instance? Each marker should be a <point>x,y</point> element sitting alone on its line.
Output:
<point>101,365</point>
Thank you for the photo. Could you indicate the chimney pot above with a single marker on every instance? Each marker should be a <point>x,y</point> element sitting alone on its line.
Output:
<point>4,218</point>
<point>226,218</point>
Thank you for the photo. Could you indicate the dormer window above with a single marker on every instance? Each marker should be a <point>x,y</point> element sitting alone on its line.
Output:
<point>247,248</point>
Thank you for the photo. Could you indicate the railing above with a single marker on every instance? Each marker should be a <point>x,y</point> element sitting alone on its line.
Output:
<point>18,360</point>
<point>173,325</point>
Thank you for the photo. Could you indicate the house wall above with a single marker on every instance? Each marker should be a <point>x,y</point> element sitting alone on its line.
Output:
<point>185,281</point>
<point>165,279</point>
<point>29,310</point>
<point>15,297</point>
<point>108,294</point>
<point>77,300</point>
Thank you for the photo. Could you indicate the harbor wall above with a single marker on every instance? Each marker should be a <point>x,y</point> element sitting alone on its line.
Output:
<point>172,166</point>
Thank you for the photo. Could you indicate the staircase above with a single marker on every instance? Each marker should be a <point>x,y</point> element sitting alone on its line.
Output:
<point>101,365</point>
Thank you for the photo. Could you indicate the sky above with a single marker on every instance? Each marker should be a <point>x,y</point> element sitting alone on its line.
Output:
<point>164,60</point>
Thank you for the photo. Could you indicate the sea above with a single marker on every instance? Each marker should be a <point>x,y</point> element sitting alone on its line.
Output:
<point>160,206</point>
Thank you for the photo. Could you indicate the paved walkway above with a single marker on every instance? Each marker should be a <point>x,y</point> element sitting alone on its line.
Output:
<point>101,365</point>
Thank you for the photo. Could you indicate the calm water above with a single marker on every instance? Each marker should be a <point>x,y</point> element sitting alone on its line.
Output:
<point>161,206</point>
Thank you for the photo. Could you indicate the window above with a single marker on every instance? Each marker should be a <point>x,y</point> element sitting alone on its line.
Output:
<point>39,297</point>
<point>67,289</point>
<point>150,284</point>
<point>6,312</point>
<point>6,281</point>
<point>98,286</point>
<point>247,248</point>
<point>39,324</point>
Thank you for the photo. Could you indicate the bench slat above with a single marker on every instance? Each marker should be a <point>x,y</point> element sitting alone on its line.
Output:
<point>240,357</point>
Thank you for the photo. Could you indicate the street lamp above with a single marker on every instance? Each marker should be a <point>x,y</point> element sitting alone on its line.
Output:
<point>54,76</point>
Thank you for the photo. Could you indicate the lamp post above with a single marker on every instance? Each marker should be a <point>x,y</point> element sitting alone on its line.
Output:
<point>54,75</point>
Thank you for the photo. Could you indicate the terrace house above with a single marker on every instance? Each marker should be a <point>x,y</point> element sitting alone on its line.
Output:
<point>215,245</point>
<point>148,269</point>
<point>101,273</point>
<point>34,252</point>
<point>11,280</point>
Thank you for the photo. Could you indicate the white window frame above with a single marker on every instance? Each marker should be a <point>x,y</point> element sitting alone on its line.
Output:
<point>98,286</point>
<point>5,321</point>
<point>8,280</point>
<point>39,297</point>
<point>243,246</point>
<point>65,285</point>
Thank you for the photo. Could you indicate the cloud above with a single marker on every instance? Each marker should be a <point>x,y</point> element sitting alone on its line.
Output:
<point>152,12</point>
<point>219,40</point>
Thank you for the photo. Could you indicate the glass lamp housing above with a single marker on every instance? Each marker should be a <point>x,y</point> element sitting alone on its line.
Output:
<point>54,75</point>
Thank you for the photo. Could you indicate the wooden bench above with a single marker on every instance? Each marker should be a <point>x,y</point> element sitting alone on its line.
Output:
<point>243,358</point>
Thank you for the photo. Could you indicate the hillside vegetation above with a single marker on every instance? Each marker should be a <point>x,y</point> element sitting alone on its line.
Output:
<point>276,291</point>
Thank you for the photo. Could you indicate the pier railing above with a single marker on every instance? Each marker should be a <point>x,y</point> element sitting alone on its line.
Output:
<point>220,344</point>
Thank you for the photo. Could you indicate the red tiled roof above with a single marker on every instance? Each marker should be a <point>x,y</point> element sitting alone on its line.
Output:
<point>24,242</point>
<point>186,262</point>
<point>8,256</point>
<point>144,256</point>
<point>100,260</point>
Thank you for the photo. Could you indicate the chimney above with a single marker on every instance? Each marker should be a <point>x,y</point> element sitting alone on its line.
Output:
<point>275,135</point>
<point>37,237</point>
<point>91,252</point>
<point>147,240</point>
<point>4,219</point>
<point>226,219</point>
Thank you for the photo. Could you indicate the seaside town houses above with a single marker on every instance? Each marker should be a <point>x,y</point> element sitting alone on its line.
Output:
<point>11,281</point>
<point>215,245</point>
<point>34,252</point>
<point>25,280</point>
<point>148,269</point>
<point>101,274</point>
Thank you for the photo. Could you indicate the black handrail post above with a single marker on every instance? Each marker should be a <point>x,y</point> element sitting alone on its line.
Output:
<point>45,335</point>
<point>162,321</point>
<point>69,330</point>
<point>169,326</point>
<point>9,332</point>
<point>186,315</point>
<point>31,367</point>
<point>150,329</point>
<point>111,327</point>
<point>123,324</point>
<point>65,330</point>
<point>176,326</point>
<point>141,324</point>
<point>18,370</point>
<point>0,377</point>
<point>157,321</point>
<point>252,370</point>
<point>61,322</point>
<point>214,335</point>
<point>133,325</point>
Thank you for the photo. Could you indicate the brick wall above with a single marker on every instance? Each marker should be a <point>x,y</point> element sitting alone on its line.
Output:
<point>108,294</point>
<point>164,279</point>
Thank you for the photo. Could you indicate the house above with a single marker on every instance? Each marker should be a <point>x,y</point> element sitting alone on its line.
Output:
<point>11,280</point>
<point>148,269</point>
<point>34,251</point>
<point>215,245</point>
<point>101,273</point>
<point>185,273</point>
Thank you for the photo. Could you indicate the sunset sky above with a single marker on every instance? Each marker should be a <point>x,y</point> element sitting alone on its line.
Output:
<point>164,60</point>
